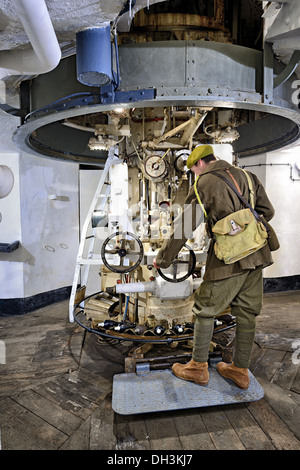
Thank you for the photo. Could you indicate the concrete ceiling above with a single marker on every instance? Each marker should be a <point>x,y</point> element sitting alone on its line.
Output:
<point>70,16</point>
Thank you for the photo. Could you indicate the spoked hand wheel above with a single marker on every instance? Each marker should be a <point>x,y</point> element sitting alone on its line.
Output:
<point>180,276</point>
<point>127,250</point>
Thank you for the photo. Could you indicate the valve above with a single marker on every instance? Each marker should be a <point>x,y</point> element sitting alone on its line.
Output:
<point>159,330</point>
<point>178,329</point>
<point>191,263</point>
<point>127,246</point>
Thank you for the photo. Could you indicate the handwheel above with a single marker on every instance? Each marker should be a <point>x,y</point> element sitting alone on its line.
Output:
<point>191,263</point>
<point>129,249</point>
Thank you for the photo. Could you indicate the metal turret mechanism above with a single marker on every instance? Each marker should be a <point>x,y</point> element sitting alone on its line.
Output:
<point>148,184</point>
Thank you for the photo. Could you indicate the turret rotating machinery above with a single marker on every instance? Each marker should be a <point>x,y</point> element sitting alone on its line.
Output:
<point>134,93</point>
<point>148,183</point>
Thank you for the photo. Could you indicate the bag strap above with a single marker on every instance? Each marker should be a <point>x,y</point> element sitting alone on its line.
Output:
<point>245,202</point>
<point>250,187</point>
<point>236,184</point>
<point>198,197</point>
<point>251,192</point>
<point>234,180</point>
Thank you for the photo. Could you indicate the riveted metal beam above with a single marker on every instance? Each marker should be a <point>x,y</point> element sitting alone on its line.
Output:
<point>158,74</point>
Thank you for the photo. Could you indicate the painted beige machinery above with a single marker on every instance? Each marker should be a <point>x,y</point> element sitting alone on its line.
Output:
<point>148,182</point>
<point>154,201</point>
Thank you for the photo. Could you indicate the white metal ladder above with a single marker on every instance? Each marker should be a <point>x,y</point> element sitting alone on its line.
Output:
<point>89,260</point>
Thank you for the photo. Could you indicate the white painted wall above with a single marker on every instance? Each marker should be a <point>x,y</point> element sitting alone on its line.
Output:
<point>50,222</point>
<point>285,197</point>
<point>42,212</point>
<point>11,267</point>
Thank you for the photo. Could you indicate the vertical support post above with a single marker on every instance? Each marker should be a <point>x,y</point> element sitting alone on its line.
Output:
<point>268,74</point>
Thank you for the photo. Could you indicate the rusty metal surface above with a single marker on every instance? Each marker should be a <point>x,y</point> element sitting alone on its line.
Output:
<point>159,20</point>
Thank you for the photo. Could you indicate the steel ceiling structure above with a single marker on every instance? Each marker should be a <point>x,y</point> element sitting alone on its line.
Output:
<point>201,72</point>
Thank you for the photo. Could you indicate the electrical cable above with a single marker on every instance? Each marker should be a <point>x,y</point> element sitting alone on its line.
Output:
<point>61,100</point>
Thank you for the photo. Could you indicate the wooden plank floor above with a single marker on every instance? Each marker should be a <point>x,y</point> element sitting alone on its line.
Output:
<point>55,391</point>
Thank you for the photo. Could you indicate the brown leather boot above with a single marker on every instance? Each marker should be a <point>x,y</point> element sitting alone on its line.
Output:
<point>239,375</point>
<point>193,371</point>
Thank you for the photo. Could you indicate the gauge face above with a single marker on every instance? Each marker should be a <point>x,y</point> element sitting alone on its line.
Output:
<point>155,167</point>
<point>180,162</point>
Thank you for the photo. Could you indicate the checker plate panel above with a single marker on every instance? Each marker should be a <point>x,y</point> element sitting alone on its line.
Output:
<point>160,390</point>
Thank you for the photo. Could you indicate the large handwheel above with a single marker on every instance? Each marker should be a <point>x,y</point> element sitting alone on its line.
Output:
<point>174,277</point>
<point>127,247</point>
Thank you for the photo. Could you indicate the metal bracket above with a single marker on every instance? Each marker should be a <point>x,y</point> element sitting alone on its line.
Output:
<point>109,95</point>
<point>13,111</point>
<point>288,71</point>
<point>142,369</point>
<point>9,247</point>
<point>272,9</point>
<point>106,95</point>
<point>268,74</point>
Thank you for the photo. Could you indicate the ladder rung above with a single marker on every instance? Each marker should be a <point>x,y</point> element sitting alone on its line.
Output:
<point>90,261</point>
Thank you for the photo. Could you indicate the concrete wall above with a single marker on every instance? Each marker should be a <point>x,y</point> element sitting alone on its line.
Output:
<point>11,267</point>
<point>286,196</point>
<point>275,173</point>
<point>49,219</point>
<point>42,212</point>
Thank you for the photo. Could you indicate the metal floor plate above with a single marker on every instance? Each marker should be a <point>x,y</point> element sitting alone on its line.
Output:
<point>160,390</point>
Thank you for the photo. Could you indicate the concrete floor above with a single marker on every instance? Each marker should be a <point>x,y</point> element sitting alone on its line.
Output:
<point>56,391</point>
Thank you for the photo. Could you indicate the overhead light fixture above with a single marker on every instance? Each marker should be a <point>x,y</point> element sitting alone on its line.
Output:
<point>119,110</point>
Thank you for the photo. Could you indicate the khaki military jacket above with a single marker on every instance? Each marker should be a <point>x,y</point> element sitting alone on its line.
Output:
<point>219,200</point>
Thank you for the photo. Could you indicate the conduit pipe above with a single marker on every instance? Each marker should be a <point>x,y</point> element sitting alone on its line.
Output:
<point>45,54</point>
<point>133,287</point>
<point>163,290</point>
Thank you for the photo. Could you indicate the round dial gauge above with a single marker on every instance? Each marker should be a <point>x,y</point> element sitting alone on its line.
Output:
<point>180,162</point>
<point>156,167</point>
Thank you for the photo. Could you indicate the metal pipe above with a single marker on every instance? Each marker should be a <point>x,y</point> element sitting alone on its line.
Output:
<point>45,54</point>
<point>132,287</point>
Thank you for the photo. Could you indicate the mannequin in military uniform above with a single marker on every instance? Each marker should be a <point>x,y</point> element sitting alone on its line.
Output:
<point>239,284</point>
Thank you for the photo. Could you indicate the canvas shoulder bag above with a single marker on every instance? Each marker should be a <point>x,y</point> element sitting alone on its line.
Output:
<point>241,233</point>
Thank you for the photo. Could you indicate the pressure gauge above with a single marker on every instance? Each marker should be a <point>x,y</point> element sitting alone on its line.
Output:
<point>156,167</point>
<point>180,161</point>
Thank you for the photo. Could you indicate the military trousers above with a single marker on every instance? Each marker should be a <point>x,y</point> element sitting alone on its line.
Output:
<point>243,293</point>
